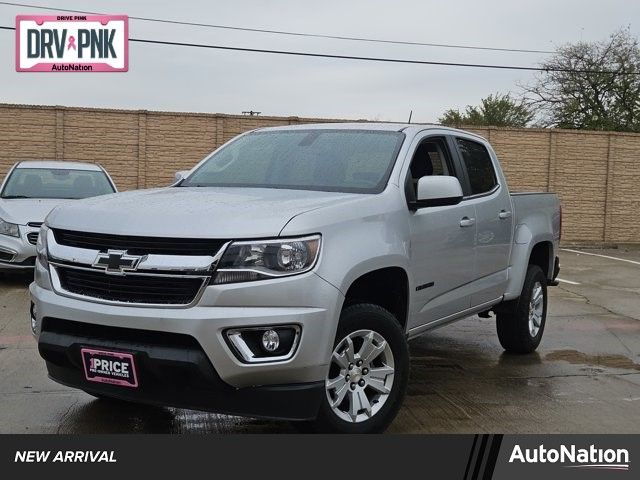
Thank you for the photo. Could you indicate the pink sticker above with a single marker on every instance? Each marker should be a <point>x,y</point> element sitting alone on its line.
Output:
<point>72,43</point>
<point>115,368</point>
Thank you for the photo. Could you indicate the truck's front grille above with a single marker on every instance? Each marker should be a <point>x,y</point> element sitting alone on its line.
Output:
<point>146,289</point>
<point>135,245</point>
<point>32,237</point>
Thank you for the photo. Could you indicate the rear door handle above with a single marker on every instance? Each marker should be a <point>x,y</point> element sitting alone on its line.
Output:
<point>467,222</point>
<point>504,214</point>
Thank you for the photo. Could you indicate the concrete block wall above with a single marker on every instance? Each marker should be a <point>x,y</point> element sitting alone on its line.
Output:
<point>596,174</point>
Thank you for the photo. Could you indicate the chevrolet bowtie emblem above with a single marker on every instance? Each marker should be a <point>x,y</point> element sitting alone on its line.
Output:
<point>117,262</point>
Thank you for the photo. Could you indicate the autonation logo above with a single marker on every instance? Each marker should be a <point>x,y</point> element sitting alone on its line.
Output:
<point>574,457</point>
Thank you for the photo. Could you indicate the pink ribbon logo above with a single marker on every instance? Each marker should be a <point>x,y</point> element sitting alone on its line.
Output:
<point>72,43</point>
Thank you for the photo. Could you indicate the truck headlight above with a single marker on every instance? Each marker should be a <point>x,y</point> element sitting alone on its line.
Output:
<point>41,247</point>
<point>10,229</point>
<point>263,259</point>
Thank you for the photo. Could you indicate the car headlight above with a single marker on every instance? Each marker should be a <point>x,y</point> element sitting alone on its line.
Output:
<point>41,247</point>
<point>263,259</point>
<point>10,229</point>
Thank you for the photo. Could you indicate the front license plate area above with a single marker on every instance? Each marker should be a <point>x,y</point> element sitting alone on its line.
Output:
<point>115,368</point>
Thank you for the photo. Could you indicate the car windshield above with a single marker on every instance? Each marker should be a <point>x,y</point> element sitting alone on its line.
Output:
<point>56,183</point>
<point>357,161</point>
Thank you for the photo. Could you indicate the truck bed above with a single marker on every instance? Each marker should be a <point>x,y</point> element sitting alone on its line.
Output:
<point>537,218</point>
<point>536,207</point>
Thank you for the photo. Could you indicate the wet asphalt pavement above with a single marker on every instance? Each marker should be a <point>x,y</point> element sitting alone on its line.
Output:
<point>585,377</point>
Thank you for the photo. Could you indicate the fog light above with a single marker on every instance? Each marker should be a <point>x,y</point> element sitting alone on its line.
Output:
<point>274,343</point>
<point>34,323</point>
<point>270,340</point>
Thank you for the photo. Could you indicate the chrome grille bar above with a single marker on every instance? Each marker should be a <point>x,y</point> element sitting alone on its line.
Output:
<point>75,274</point>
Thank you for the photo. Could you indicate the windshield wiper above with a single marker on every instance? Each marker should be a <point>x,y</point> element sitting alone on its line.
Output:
<point>16,196</point>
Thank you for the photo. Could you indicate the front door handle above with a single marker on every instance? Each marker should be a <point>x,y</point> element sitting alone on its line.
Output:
<point>467,222</point>
<point>504,214</point>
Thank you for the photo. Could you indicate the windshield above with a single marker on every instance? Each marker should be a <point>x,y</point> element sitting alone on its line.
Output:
<point>56,183</point>
<point>357,161</point>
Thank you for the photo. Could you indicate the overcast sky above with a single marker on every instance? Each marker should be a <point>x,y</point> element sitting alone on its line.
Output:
<point>190,79</point>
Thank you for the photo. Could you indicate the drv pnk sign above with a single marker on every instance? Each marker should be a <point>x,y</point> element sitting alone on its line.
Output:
<point>72,43</point>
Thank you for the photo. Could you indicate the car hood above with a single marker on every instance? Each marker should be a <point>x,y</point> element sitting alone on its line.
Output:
<point>25,210</point>
<point>193,212</point>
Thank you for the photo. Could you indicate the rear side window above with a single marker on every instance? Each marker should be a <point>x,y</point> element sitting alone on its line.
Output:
<point>482,176</point>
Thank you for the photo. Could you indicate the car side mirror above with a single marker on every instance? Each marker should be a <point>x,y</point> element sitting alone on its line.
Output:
<point>437,191</point>
<point>180,175</point>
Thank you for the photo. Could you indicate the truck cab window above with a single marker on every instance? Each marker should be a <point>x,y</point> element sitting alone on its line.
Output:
<point>430,158</point>
<point>477,161</point>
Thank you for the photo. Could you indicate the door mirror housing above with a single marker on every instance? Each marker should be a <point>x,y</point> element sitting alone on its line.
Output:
<point>437,191</point>
<point>180,175</point>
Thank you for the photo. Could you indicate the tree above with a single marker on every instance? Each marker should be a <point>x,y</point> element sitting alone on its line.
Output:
<point>499,110</point>
<point>590,85</point>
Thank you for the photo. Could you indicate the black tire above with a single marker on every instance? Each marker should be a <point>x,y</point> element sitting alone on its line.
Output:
<point>513,321</point>
<point>369,317</point>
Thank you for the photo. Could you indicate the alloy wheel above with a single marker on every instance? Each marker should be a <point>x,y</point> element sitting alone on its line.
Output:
<point>360,376</point>
<point>536,309</point>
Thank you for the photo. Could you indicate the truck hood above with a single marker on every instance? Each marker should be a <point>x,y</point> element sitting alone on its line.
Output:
<point>25,210</point>
<point>195,212</point>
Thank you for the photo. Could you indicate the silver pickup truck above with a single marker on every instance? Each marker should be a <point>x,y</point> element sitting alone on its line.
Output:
<point>283,275</point>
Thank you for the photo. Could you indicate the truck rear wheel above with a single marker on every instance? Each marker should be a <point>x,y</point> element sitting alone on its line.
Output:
<point>521,326</point>
<point>368,372</point>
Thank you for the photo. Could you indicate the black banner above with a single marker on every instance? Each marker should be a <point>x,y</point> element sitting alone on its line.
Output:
<point>468,457</point>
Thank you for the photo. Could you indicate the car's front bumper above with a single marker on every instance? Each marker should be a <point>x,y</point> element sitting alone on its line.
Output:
<point>171,372</point>
<point>17,253</point>
<point>220,308</point>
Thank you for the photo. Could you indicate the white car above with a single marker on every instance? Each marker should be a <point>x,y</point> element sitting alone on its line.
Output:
<point>29,192</point>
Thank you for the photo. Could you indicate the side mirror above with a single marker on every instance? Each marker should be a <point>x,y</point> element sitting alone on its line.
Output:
<point>436,191</point>
<point>179,176</point>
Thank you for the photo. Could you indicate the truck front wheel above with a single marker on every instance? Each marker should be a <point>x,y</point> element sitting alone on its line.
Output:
<point>521,324</point>
<point>368,372</point>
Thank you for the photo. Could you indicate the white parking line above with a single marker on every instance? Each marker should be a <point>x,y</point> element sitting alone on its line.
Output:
<point>599,255</point>
<point>570,282</point>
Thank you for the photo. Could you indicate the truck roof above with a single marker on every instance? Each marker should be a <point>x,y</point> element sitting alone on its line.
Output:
<point>58,165</point>
<point>381,126</point>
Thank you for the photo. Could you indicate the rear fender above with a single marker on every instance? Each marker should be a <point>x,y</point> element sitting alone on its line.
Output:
<point>524,242</point>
